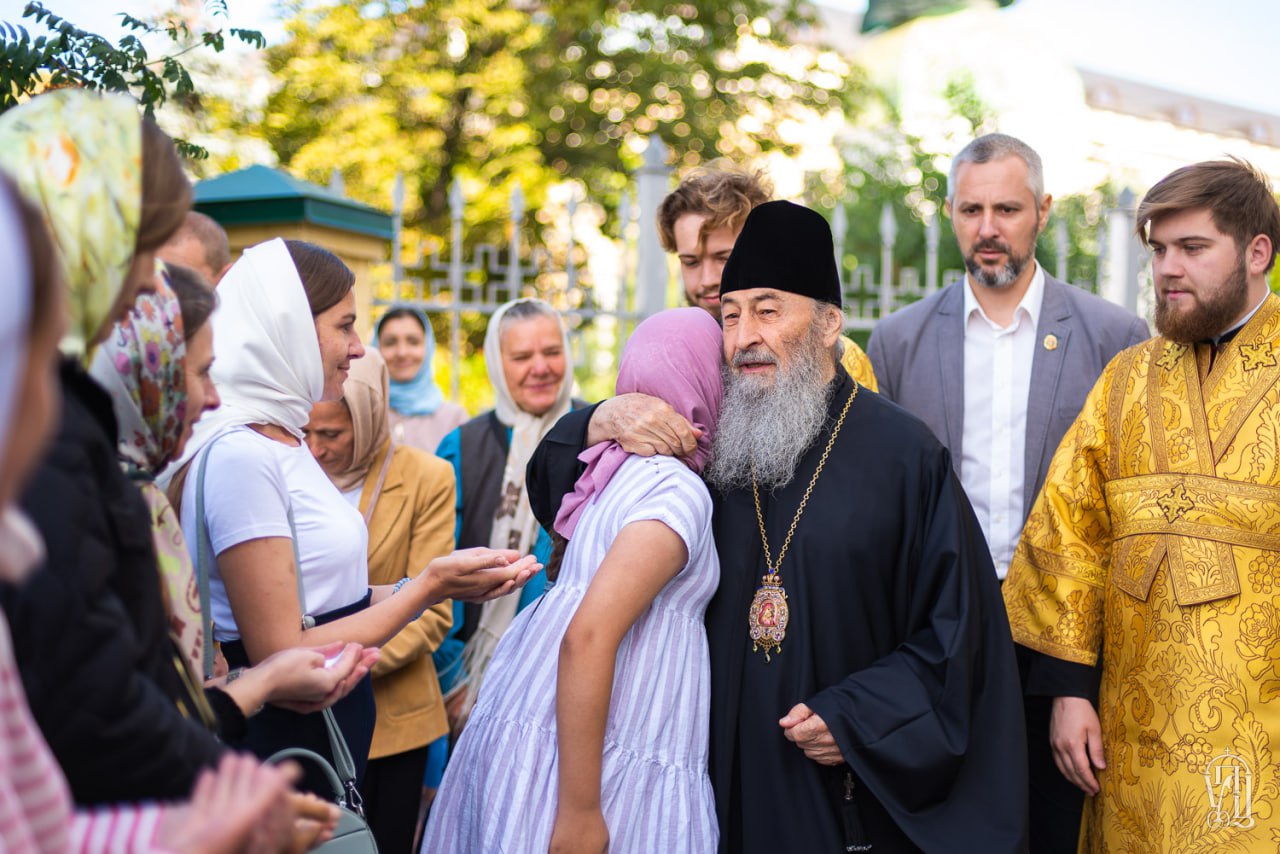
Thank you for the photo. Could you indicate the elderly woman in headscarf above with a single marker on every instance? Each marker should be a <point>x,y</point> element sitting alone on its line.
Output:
<point>526,352</point>
<point>36,812</point>
<point>109,689</point>
<point>406,498</point>
<point>420,416</point>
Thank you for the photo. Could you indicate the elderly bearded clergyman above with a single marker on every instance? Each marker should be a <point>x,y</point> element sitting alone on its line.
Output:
<point>864,691</point>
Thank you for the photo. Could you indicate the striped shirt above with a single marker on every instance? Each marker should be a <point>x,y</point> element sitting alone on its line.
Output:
<point>36,814</point>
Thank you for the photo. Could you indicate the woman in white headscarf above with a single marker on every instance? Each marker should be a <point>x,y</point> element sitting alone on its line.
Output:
<point>526,352</point>
<point>285,339</point>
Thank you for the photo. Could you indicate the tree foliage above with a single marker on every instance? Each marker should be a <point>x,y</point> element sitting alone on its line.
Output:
<point>496,91</point>
<point>69,56</point>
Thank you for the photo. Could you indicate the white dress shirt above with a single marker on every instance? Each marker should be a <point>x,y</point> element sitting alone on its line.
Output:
<point>997,385</point>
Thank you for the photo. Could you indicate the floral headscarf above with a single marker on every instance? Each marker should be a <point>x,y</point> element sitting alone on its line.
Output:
<point>78,156</point>
<point>143,366</point>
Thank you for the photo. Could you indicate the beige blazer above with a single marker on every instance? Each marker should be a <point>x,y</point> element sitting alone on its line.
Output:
<point>412,523</point>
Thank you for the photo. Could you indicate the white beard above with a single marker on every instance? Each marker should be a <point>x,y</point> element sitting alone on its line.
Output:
<point>767,427</point>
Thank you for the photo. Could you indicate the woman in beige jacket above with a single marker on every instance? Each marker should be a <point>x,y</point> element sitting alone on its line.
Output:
<point>407,499</point>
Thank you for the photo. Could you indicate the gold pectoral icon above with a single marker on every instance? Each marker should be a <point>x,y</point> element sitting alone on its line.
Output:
<point>767,619</point>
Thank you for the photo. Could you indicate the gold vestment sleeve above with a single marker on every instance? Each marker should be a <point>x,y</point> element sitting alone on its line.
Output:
<point>1053,592</point>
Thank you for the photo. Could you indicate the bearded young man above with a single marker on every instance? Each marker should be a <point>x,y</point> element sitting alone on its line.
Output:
<point>864,690</point>
<point>1157,538</point>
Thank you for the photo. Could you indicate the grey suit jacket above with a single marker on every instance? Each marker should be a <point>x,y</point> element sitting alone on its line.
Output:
<point>918,356</point>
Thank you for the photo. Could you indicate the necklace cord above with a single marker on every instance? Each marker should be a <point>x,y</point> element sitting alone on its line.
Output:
<point>755,492</point>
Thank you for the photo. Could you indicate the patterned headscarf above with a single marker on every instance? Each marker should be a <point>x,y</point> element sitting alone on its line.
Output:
<point>78,155</point>
<point>143,366</point>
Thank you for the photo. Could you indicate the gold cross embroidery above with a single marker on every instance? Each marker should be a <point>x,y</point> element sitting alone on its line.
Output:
<point>1169,359</point>
<point>1260,355</point>
<point>1175,503</point>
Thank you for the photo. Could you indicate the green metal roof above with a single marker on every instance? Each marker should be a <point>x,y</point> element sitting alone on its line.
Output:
<point>260,195</point>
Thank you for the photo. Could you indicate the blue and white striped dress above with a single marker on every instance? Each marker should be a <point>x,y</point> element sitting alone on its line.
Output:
<point>499,792</point>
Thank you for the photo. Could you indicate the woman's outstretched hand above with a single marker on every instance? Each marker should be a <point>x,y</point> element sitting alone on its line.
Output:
<point>475,575</point>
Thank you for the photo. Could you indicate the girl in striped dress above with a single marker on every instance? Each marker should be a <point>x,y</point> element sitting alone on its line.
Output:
<point>590,733</point>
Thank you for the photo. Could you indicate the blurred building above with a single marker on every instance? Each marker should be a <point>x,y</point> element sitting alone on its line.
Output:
<point>1105,91</point>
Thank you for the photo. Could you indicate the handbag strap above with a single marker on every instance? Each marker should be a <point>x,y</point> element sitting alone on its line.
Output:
<point>321,764</point>
<point>343,763</point>
<point>204,557</point>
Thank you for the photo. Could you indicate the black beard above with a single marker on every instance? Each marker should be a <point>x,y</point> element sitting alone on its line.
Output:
<point>1209,317</point>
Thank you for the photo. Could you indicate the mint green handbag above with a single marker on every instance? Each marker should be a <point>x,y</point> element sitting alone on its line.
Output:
<point>352,835</point>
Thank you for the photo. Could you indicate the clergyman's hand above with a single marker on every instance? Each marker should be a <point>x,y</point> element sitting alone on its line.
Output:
<point>642,425</point>
<point>1076,738</point>
<point>809,732</point>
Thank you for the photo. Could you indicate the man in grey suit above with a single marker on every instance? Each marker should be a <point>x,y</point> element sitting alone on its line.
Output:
<point>999,365</point>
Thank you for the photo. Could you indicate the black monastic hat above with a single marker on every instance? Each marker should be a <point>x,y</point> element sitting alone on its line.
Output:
<point>786,247</point>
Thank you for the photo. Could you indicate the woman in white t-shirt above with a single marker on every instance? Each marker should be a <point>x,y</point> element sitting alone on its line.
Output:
<point>284,337</point>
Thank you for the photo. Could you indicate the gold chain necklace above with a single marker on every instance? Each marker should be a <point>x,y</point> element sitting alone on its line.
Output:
<point>767,619</point>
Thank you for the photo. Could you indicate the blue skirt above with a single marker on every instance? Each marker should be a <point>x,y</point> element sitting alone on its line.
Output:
<point>273,729</point>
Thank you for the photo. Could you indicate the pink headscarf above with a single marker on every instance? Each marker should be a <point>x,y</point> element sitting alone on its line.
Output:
<point>675,356</point>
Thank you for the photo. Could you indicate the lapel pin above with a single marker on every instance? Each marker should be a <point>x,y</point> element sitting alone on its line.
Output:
<point>1051,342</point>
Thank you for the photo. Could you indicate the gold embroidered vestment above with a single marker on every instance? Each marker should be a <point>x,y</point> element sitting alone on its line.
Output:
<point>1156,542</point>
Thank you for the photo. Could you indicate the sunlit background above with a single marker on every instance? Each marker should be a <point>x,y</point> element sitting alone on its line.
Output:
<point>855,110</point>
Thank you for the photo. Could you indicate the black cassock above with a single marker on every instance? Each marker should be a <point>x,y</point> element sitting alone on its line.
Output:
<point>897,639</point>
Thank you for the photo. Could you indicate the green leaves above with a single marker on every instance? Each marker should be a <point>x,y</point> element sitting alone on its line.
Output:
<point>495,92</point>
<point>70,56</point>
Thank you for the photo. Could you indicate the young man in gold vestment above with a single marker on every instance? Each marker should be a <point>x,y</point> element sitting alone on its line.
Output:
<point>1157,539</point>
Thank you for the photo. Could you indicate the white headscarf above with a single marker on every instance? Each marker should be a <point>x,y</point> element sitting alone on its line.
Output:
<point>268,368</point>
<point>20,545</point>
<point>505,405</point>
